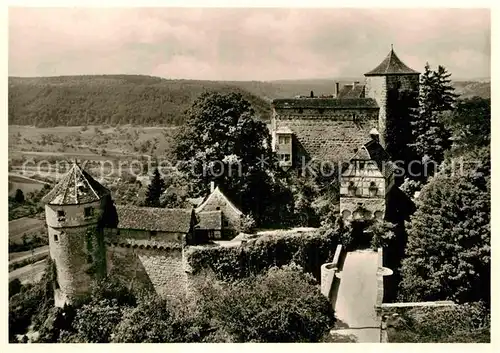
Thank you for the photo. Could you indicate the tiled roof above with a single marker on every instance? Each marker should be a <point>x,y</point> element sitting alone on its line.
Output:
<point>332,103</point>
<point>373,151</point>
<point>327,140</point>
<point>350,92</point>
<point>217,193</point>
<point>210,220</point>
<point>391,65</point>
<point>175,220</point>
<point>76,187</point>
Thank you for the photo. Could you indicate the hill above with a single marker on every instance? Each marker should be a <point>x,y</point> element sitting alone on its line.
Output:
<point>148,101</point>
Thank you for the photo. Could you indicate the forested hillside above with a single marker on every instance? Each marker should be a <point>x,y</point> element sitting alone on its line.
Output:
<point>149,101</point>
<point>122,99</point>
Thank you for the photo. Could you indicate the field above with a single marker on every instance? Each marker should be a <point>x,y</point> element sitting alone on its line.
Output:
<point>92,142</point>
<point>26,185</point>
<point>25,225</point>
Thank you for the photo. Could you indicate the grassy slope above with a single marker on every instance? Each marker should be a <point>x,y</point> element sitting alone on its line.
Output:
<point>146,100</point>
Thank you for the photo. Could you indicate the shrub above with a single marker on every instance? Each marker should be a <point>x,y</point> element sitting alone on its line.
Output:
<point>465,323</point>
<point>282,305</point>
<point>309,251</point>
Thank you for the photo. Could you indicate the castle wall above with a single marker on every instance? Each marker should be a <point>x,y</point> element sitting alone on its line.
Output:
<point>161,270</point>
<point>71,258</point>
<point>376,88</point>
<point>74,249</point>
<point>74,215</point>
<point>388,91</point>
<point>139,234</point>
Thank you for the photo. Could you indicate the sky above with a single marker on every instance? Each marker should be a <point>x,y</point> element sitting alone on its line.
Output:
<point>244,44</point>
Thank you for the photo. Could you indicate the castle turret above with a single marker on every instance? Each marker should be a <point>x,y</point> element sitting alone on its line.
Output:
<point>72,211</point>
<point>395,87</point>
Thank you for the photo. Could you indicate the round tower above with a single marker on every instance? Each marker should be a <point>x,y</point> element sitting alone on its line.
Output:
<point>72,212</point>
<point>395,88</point>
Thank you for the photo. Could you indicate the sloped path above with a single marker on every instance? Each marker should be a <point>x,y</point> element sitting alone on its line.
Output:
<point>357,297</point>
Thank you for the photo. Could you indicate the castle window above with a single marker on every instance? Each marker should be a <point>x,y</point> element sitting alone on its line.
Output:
<point>352,189</point>
<point>226,223</point>
<point>217,208</point>
<point>56,237</point>
<point>361,165</point>
<point>61,215</point>
<point>88,211</point>
<point>285,157</point>
<point>300,110</point>
<point>284,140</point>
<point>373,189</point>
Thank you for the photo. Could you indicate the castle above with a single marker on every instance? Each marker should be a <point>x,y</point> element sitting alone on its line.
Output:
<point>142,247</point>
<point>354,125</point>
<point>145,247</point>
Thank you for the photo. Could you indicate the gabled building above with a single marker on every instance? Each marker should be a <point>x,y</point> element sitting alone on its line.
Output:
<point>366,182</point>
<point>218,217</point>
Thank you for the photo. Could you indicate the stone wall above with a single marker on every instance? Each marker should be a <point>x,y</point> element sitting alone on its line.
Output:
<point>138,234</point>
<point>160,269</point>
<point>380,88</point>
<point>73,262</point>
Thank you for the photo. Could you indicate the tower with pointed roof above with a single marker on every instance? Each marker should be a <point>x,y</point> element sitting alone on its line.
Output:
<point>72,209</point>
<point>394,86</point>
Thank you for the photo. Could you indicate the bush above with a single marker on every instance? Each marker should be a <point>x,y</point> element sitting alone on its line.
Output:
<point>468,323</point>
<point>282,305</point>
<point>19,197</point>
<point>30,305</point>
<point>309,251</point>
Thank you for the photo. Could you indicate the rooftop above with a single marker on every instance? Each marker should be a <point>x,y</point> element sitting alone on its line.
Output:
<point>391,65</point>
<point>175,220</point>
<point>76,187</point>
<point>315,103</point>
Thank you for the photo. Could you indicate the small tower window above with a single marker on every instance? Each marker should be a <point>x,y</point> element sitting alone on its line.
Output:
<point>61,215</point>
<point>88,211</point>
<point>56,237</point>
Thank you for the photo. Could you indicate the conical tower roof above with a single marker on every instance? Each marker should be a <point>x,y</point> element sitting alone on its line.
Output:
<point>76,187</point>
<point>391,65</point>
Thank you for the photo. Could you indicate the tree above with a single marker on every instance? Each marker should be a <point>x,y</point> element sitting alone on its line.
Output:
<point>431,137</point>
<point>471,122</point>
<point>19,196</point>
<point>448,250</point>
<point>222,142</point>
<point>155,190</point>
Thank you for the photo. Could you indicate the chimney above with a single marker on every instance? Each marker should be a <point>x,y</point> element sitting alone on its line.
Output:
<point>212,186</point>
<point>312,94</point>
<point>336,93</point>
<point>374,134</point>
